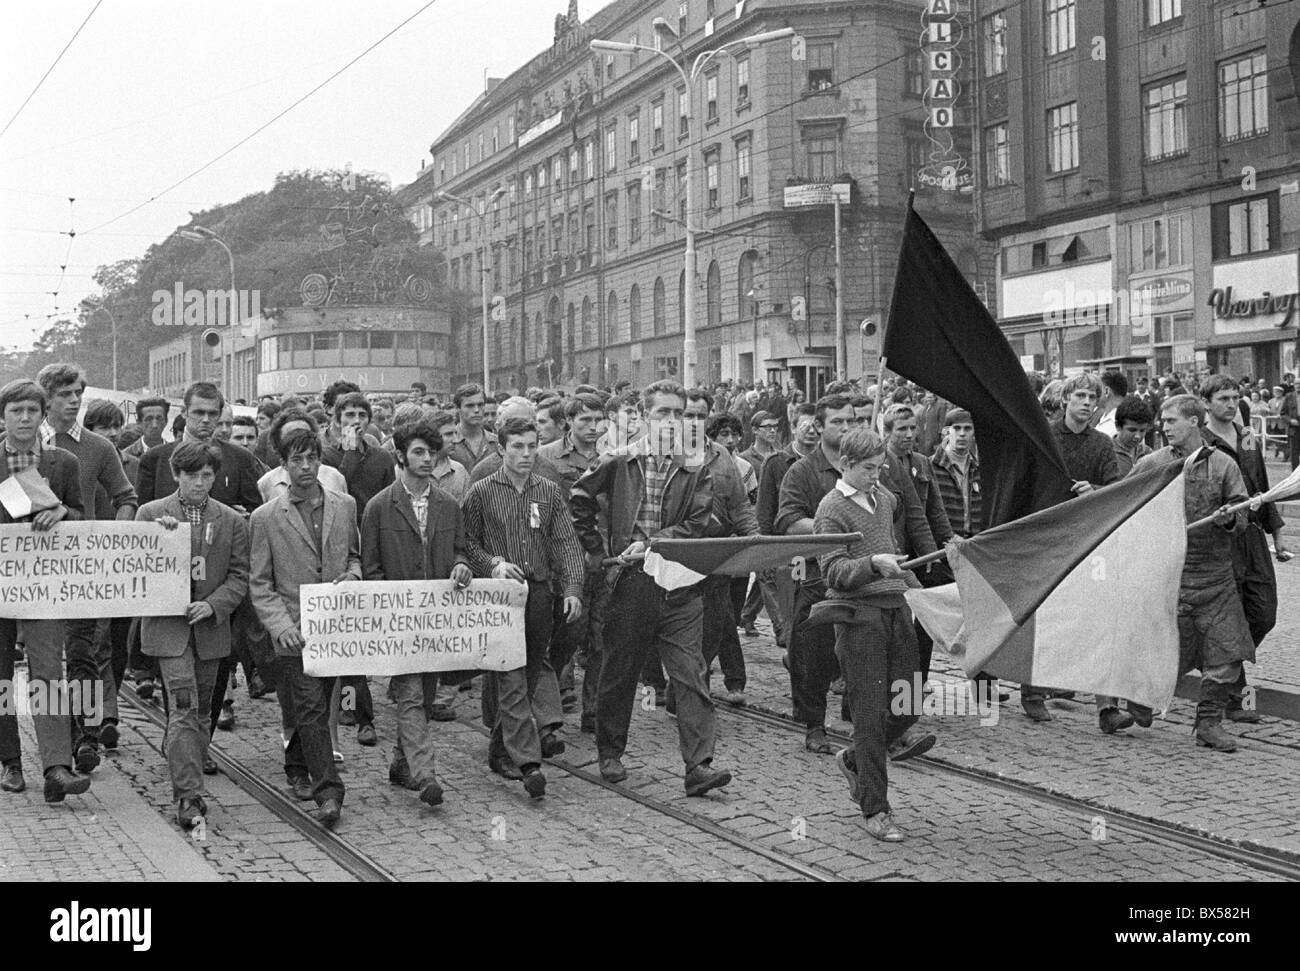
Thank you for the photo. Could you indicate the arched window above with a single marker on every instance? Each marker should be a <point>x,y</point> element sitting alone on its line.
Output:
<point>746,298</point>
<point>659,319</point>
<point>681,301</point>
<point>634,314</point>
<point>714,295</point>
<point>588,335</point>
<point>611,318</point>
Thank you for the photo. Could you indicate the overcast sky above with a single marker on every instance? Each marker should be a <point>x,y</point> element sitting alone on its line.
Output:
<point>153,89</point>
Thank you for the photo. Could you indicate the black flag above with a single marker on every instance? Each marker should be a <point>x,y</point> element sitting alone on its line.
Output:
<point>941,336</point>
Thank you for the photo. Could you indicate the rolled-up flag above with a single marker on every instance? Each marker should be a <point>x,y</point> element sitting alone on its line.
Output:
<point>26,493</point>
<point>1288,488</point>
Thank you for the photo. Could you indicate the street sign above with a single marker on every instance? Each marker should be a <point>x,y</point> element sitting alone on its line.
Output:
<point>817,194</point>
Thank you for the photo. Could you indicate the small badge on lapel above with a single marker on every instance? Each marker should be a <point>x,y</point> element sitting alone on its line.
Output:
<point>207,534</point>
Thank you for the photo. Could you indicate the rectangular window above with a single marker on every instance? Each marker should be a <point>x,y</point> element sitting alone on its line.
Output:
<point>573,164</point>
<point>711,98</point>
<point>914,74</point>
<point>611,220</point>
<point>997,156</point>
<point>657,125</point>
<point>659,202</point>
<point>574,237</point>
<point>611,158</point>
<point>481,141</point>
<point>1160,243</point>
<point>609,66</point>
<point>1162,11</point>
<point>634,212</point>
<point>589,159</point>
<point>683,8</point>
<point>634,138</point>
<point>683,113</point>
<point>496,139</point>
<point>711,180</point>
<point>1059,25</point>
<point>510,129</point>
<point>541,178</point>
<point>744,182</point>
<point>681,191</point>
<point>557,171</point>
<point>528,185</point>
<point>993,33</point>
<point>1242,228</point>
<point>915,147</point>
<point>1165,108</point>
<point>1063,138</point>
<point>1243,97</point>
<point>821,66</point>
<point>822,146</point>
<point>589,228</point>
<point>742,82</point>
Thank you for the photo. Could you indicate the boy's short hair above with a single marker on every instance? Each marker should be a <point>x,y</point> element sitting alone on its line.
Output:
<point>895,412</point>
<point>300,441</point>
<point>353,399</point>
<point>1215,383</point>
<point>830,402</point>
<point>587,401</point>
<point>404,435</point>
<point>206,390</point>
<point>1187,405</point>
<point>466,391</point>
<point>100,413</point>
<point>336,391</point>
<point>24,389</point>
<point>720,423</point>
<point>193,457</point>
<point>286,416</point>
<point>244,420</point>
<point>269,408</point>
<point>144,403</point>
<point>859,445</point>
<point>1116,383</point>
<point>1133,409</point>
<point>621,402</point>
<point>1081,382</point>
<point>515,427</point>
<point>652,391</point>
<point>52,377</point>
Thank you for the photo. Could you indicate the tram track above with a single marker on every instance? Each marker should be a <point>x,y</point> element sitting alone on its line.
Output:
<point>1252,855</point>
<point>339,850</point>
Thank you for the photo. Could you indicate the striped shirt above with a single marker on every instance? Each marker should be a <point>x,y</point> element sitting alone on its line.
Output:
<point>531,528</point>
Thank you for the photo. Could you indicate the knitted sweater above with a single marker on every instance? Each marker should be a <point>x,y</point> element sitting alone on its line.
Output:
<point>848,573</point>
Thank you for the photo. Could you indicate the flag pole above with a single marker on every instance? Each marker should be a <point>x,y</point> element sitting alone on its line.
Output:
<point>884,360</point>
<point>929,558</point>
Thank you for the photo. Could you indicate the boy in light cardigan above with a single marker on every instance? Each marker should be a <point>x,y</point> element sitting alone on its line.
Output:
<point>874,638</point>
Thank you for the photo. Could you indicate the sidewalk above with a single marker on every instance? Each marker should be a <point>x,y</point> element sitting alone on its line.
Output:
<point>110,834</point>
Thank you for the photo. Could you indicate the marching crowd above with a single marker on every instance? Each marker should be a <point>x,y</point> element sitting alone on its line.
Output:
<point>563,491</point>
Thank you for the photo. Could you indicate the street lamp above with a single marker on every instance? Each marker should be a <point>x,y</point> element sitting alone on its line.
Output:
<point>91,310</point>
<point>483,270</point>
<point>661,26</point>
<point>203,234</point>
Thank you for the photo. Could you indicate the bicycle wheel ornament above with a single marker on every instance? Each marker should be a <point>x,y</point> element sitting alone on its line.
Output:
<point>315,290</point>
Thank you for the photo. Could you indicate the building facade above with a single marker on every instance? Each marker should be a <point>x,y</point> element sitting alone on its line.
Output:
<point>571,175</point>
<point>1140,174</point>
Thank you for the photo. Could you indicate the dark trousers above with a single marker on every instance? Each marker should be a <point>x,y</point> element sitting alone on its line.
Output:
<point>1294,448</point>
<point>813,664</point>
<point>874,655</point>
<point>739,595</point>
<point>1256,581</point>
<point>11,749</point>
<point>643,618</point>
<point>310,747</point>
<point>82,665</point>
<point>357,699</point>
<point>720,638</point>
<point>507,699</point>
<point>249,640</point>
<point>753,605</point>
<point>591,647</point>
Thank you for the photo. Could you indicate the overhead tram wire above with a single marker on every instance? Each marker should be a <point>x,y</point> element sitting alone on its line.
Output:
<point>50,69</point>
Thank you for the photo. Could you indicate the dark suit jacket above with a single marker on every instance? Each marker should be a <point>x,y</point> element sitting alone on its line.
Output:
<point>236,483</point>
<point>222,583</point>
<point>392,547</point>
<point>62,472</point>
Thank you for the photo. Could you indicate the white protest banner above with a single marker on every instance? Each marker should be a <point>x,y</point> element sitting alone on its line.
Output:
<point>387,627</point>
<point>104,568</point>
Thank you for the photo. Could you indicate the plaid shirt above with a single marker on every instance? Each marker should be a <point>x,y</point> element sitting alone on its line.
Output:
<point>48,432</point>
<point>193,513</point>
<point>656,472</point>
<point>18,461</point>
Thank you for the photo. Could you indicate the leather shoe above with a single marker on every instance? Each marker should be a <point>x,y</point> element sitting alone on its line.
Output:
<point>1243,717</point>
<point>1210,734</point>
<point>910,744</point>
<point>209,765</point>
<point>399,773</point>
<point>430,792</point>
<point>12,779</point>
<point>347,717</point>
<point>611,770</point>
<point>552,745</point>
<point>1142,715</point>
<point>568,703</point>
<point>506,769</point>
<point>535,783</point>
<point>144,689</point>
<point>587,726</point>
<point>882,827</point>
<point>366,736</point>
<point>108,736</point>
<point>226,720</point>
<point>1036,711</point>
<point>1112,720</point>
<point>442,713</point>
<point>750,630</point>
<point>62,781</point>
<point>704,777</point>
<point>87,757</point>
<point>329,812</point>
<point>191,812</point>
<point>301,786</point>
<point>817,742</point>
